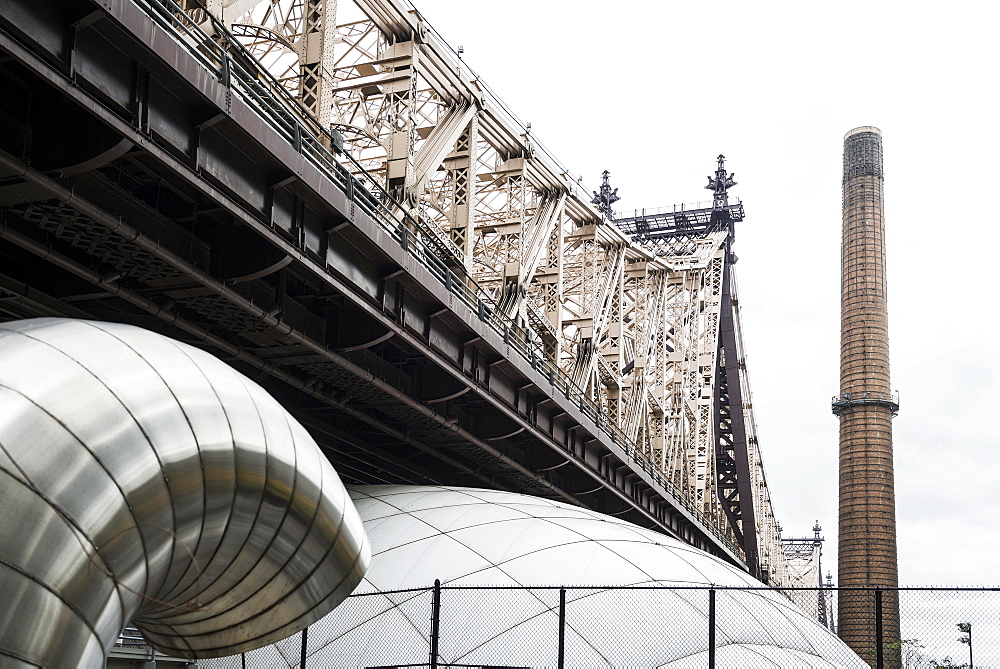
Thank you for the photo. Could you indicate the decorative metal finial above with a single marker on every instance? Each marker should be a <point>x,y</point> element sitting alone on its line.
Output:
<point>720,184</point>
<point>606,197</point>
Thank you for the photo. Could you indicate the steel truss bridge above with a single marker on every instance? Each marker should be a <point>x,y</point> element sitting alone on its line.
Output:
<point>343,211</point>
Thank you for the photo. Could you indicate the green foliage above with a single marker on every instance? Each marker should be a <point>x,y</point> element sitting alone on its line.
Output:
<point>908,654</point>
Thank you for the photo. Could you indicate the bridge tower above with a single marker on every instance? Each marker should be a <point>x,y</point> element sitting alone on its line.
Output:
<point>865,406</point>
<point>803,555</point>
<point>710,389</point>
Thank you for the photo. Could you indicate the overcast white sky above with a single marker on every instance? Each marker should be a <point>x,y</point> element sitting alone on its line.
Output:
<point>654,91</point>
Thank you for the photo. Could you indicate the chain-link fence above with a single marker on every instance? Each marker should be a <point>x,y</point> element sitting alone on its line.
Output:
<point>698,626</point>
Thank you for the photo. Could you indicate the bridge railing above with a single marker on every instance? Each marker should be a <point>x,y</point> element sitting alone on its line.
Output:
<point>682,208</point>
<point>224,58</point>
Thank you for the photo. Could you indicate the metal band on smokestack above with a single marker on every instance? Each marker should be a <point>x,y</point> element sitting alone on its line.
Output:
<point>866,405</point>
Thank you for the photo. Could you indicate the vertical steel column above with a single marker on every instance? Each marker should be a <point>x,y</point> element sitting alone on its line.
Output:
<point>879,641</point>
<point>305,646</point>
<point>435,622</point>
<point>731,427</point>
<point>461,166</point>
<point>562,628</point>
<point>867,545</point>
<point>711,628</point>
<point>316,58</point>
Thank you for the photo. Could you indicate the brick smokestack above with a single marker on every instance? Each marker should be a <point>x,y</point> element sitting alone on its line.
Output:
<point>866,406</point>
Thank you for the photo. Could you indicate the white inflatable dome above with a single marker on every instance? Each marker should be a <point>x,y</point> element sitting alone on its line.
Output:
<point>473,537</point>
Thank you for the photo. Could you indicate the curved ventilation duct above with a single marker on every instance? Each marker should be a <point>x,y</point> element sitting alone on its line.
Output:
<point>144,480</point>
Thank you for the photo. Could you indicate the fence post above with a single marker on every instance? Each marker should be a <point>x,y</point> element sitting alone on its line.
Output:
<point>711,628</point>
<point>562,628</point>
<point>305,645</point>
<point>435,622</point>
<point>879,657</point>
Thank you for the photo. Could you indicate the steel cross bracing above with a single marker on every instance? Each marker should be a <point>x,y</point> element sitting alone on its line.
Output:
<point>636,324</point>
<point>715,428</point>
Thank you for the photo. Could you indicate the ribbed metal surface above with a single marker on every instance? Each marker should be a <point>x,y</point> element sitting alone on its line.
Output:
<point>867,544</point>
<point>144,480</point>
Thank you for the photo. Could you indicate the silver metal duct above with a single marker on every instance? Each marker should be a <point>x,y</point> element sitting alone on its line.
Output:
<point>144,480</point>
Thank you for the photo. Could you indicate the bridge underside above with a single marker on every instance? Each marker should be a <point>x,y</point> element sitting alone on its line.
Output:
<point>134,188</point>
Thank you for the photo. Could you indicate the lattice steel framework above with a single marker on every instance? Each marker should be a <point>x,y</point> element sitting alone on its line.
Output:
<point>642,315</point>
<point>805,570</point>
